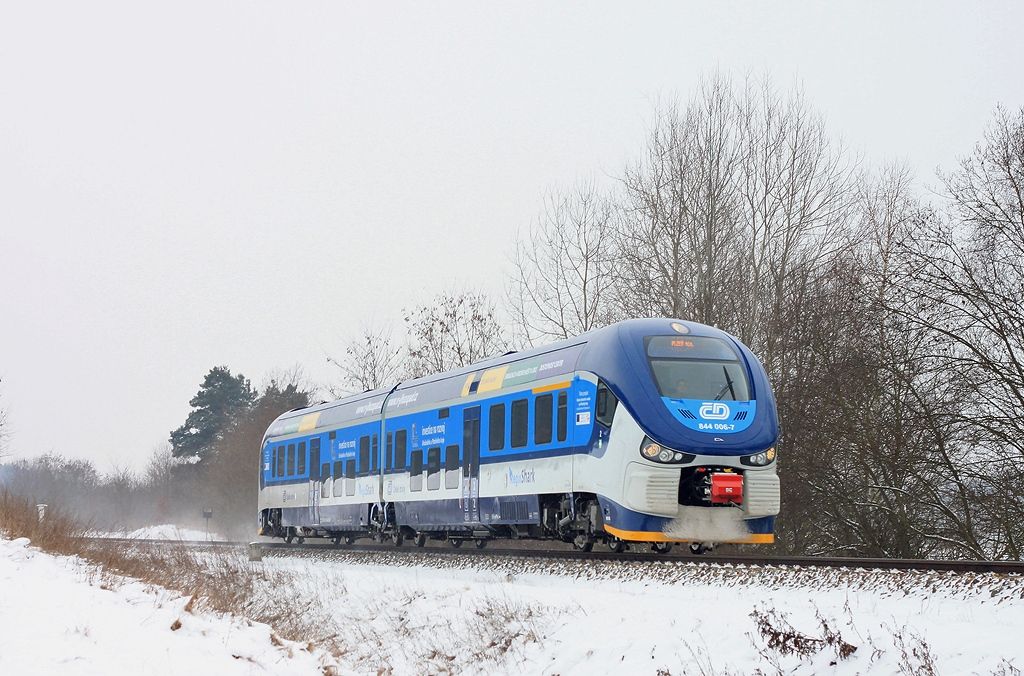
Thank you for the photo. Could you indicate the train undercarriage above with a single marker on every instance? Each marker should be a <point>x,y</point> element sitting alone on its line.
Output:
<point>571,518</point>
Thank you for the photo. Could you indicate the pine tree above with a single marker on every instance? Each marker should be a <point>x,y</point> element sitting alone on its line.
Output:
<point>222,400</point>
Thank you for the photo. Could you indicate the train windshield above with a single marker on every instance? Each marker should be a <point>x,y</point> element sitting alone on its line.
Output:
<point>697,367</point>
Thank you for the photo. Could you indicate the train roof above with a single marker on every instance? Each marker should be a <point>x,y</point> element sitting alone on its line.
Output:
<point>603,343</point>
<point>616,353</point>
<point>491,362</point>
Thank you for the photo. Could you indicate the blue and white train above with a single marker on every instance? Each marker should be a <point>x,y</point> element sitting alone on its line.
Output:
<point>633,433</point>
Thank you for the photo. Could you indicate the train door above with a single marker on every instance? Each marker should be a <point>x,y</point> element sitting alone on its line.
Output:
<point>314,482</point>
<point>471,465</point>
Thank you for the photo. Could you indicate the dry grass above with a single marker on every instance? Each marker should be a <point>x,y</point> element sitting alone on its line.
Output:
<point>58,532</point>
<point>779,639</point>
<point>222,584</point>
<point>915,655</point>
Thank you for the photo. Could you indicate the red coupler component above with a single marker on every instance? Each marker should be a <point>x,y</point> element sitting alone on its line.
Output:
<point>726,487</point>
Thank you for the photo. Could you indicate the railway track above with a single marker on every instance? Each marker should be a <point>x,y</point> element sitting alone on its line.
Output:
<point>258,549</point>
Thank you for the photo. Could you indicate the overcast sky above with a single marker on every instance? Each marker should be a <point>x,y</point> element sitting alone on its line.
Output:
<point>246,183</point>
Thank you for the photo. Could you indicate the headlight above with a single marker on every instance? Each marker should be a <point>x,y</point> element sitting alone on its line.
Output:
<point>652,450</point>
<point>765,457</point>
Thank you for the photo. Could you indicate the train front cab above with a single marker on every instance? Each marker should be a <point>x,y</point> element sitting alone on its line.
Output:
<point>670,488</point>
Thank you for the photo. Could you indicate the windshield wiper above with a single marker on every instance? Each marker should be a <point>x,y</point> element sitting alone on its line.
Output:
<point>728,386</point>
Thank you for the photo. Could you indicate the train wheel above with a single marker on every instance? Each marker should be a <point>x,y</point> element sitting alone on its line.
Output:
<point>480,544</point>
<point>699,548</point>
<point>420,540</point>
<point>299,540</point>
<point>397,538</point>
<point>455,542</point>
<point>661,547</point>
<point>349,539</point>
<point>289,537</point>
<point>336,540</point>
<point>617,545</point>
<point>582,543</point>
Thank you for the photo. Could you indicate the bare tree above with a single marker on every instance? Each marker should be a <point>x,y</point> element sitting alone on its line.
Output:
<point>796,187</point>
<point>681,217</point>
<point>739,203</point>
<point>966,287</point>
<point>455,329</point>
<point>561,284</point>
<point>120,486</point>
<point>888,480</point>
<point>371,360</point>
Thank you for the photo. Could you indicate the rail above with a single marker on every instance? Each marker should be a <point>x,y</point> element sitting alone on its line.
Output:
<point>257,549</point>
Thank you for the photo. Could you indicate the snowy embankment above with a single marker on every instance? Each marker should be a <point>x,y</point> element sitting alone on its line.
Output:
<point>420,613</point>
<point>59,615</point>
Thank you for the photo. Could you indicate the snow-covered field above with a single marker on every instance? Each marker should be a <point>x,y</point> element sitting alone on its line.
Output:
<point>401,613</point>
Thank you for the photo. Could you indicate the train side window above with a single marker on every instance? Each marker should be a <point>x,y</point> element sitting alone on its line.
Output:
<point>374,453</point>
<point>496,427</point>
<point>451,467</point>
<point>301,469</point>
<point>542,412</point>
<point>350,477</point>
<point>389,450</point>
<point>338,483</point>
<point>606,405</point>
<point>325,481</point>
<point>281,454</point>
<point>400,446</point>
<point>434,468</point>
<point>291,459</point>
<point>520,418</point>
<point>416,471</point>
<point>364,454</point>
<point>563,415</point>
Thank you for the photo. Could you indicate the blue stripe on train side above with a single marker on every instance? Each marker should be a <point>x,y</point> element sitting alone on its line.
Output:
<point>444,432</point>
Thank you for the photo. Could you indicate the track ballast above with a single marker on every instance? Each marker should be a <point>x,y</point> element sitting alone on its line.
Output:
<point>258,549</point>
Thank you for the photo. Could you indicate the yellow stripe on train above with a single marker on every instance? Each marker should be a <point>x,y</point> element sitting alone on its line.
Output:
<point>551,387</point>
<point>491,379</point>
<point>655,536</point>
<point>308,422</point>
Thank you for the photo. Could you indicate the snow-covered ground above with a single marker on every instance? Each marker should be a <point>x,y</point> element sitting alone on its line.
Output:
<point>166,531</point>
<point>59,616</point>
<point>402,613</point>
<point>565,617</point>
